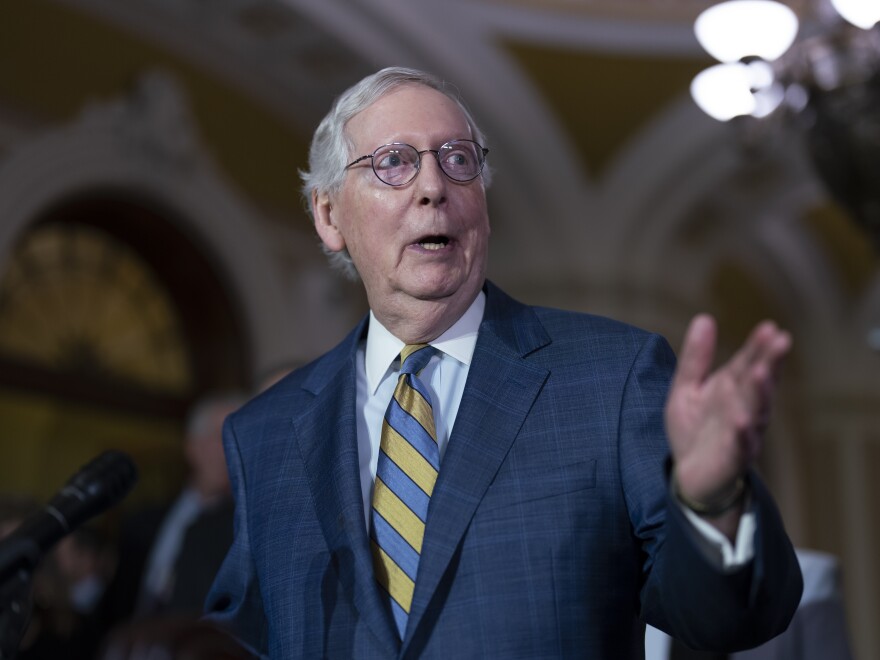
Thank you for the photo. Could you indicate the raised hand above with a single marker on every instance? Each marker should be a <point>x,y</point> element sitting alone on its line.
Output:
<point>716,419</point>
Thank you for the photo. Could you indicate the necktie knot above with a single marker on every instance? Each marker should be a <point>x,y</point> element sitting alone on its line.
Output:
<point>415,357</point>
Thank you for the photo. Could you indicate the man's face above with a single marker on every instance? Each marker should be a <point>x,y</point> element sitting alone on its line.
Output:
<point>426,240</point>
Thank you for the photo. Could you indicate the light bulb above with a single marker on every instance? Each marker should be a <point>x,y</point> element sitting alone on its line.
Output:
<point>734,30</point>
<point>861,13</point>
<point>723,92</point>
<point>734,89</point>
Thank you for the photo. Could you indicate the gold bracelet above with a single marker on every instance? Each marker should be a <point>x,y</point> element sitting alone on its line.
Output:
<point>716,509</point>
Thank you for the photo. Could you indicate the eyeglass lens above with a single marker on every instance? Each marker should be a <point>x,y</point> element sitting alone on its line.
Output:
<point>397,164</point>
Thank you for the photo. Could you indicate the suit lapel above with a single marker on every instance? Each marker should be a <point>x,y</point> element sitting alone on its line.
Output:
<point>327,436</point>
<point>500,390</point>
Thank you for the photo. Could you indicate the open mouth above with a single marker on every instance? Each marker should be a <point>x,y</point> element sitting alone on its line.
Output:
<point>433,242</point>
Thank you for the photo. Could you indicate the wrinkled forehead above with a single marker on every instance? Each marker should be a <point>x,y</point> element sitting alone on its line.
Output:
<point>411,113</point>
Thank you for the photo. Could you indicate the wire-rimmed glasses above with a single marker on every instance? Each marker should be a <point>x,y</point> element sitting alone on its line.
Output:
<point>398,163</point>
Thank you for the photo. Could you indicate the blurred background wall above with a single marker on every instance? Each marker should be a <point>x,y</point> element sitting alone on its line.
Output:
<point>154,247</point>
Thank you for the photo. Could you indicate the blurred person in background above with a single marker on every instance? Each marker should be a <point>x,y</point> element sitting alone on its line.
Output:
<point>86,562</point>
<point>168,555</point>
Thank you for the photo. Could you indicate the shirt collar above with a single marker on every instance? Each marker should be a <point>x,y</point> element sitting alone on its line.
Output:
<point>458,342</point>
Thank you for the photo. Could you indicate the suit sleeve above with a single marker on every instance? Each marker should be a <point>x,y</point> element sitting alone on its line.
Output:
<point>234,602</point>
<point>819,628</point>
<point>683,591</point>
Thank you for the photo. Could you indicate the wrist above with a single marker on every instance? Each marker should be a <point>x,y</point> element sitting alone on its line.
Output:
<point>715,507</point>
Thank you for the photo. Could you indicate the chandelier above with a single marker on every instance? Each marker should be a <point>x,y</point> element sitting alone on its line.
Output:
<point>823,74</point>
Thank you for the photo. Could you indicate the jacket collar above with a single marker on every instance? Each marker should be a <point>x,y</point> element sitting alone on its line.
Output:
<point>501,388</point>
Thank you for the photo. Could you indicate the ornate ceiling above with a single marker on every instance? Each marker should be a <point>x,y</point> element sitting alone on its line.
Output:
<point>579,78</point>
<point>598,148</point>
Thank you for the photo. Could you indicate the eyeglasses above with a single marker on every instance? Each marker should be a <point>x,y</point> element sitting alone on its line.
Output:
<point>398,163</point>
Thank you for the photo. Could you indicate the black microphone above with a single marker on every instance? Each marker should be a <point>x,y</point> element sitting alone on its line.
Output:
<point>96,487</point>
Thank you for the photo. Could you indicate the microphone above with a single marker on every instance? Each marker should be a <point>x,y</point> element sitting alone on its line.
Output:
<point>96,487</point>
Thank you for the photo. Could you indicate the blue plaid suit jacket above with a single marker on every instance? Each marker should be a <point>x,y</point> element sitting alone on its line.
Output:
<point>550,533</point>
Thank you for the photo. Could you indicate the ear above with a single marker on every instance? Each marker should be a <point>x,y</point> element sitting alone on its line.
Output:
<point>325,221</point>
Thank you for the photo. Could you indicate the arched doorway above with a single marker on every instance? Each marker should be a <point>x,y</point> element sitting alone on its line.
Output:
<point>112,322</point>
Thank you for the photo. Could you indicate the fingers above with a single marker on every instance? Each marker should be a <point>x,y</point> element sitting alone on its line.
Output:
<point>742,389</point>
<point>754,369</point>
<point>759,358</point>
<point>762,352</point>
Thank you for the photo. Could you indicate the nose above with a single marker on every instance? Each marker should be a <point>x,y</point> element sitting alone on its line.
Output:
<point>431,182</point>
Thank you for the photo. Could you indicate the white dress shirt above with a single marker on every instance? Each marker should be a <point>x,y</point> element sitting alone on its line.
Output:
<point>377,372</point>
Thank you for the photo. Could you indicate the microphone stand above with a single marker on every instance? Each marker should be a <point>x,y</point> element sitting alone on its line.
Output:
<point>94,488</point>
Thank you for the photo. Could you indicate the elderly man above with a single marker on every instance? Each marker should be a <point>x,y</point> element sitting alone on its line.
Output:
<point>465,476</point>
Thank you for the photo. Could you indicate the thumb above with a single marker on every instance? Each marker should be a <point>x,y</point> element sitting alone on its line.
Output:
<point>697,352</point>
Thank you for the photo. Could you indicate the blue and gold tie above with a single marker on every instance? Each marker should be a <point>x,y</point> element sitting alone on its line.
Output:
<point>407,469</point>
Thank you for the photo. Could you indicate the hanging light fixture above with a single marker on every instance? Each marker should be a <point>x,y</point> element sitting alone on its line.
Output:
<point>744,35</point>
<point>747,31</point>
<point>826,83</point>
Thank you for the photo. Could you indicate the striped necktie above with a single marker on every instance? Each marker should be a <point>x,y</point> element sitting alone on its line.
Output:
<point>407,469</point>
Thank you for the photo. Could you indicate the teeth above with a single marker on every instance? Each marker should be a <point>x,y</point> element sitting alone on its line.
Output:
<point>434,243</point>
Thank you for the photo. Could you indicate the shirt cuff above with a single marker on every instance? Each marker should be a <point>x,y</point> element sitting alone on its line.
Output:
<point>732,555</point>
